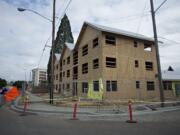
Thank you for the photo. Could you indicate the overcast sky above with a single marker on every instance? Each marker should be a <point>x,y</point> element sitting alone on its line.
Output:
<point>24,34</point>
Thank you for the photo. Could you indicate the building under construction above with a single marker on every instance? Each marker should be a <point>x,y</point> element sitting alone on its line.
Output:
<point>109,63</point>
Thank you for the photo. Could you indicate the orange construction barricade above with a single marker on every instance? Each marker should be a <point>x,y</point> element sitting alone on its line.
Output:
<point>11,94</point>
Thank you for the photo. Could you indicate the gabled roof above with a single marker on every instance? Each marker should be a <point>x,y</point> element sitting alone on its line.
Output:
<point>119,31</point>
<point>57,55</point>
<point>70,45</point>
<point>113,31</point>
<point>170,76</point>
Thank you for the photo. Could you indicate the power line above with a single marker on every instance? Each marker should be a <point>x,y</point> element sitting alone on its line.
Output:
<point>128,18</point>
<point>64,11</point>
<point>160,6</point>
<point>43,51</point>
<point>51,35</point>
<point>139,24</point>
<point>58,11</point>
<point>169,40</point>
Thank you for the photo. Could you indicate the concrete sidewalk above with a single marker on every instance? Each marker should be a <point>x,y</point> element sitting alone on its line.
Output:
<point>40,107</point>
<point>86,113</point>
<point>37,104</point>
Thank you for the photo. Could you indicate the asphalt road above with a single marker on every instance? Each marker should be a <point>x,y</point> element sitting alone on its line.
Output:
<point>11,123</point>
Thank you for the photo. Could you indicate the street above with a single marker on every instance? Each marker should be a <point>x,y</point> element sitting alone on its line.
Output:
<point>12,123</point>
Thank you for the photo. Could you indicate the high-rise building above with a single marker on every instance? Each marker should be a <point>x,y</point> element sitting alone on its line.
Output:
<point>39,76</point>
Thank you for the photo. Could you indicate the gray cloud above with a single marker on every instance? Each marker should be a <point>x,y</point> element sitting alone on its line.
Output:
<point>27,3</point>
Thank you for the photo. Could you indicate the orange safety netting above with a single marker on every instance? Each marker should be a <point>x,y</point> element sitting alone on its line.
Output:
<point>11,94</point>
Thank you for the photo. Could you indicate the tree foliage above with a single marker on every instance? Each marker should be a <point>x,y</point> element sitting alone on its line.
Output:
<point>64,35</point>
<point>18,84</point>
<point>3,82</point>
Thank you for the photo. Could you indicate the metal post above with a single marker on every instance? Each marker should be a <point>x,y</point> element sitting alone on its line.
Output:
<point>157,54</point>
<point>74,112</point>
<point>52,53</point>
<point>130,113</point>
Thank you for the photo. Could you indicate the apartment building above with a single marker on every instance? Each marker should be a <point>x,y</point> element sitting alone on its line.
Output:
<point>56,72</point>
<point>171,84</point>
<point>39,76</point>
<point>124,61</point>
<point>63,70</point>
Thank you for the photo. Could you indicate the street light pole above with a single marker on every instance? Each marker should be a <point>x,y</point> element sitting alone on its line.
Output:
<point>25,9</point>
<point>52,53</point>
<point>157,54</point>
<point>52,48</point>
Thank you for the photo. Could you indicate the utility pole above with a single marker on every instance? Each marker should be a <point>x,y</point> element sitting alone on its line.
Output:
<point>52,53</point>
<point>157,54</point>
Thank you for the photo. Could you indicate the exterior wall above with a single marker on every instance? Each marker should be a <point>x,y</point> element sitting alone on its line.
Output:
<point>35,79</point>
<point>176,90</point>
<point>168,94</point>
<point>38,77</point>
<point>56,76</point>
<point>173,92</point>
<point>93,74</point>
<point>42,76</point>
<point>126,73</point>
<point>66,80</point>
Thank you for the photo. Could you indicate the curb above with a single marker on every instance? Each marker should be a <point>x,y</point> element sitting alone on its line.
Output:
<point>19,109</point>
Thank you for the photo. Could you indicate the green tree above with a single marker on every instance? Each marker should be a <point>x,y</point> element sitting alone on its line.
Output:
<point>18,84</point>
<point>64,35</point>
<point>3,82</point>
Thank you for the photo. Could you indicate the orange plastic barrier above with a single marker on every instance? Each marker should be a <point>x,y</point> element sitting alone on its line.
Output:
<point>11,94</point>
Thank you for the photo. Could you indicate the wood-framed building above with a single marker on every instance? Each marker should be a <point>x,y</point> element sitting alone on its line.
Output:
<point>124,61</point>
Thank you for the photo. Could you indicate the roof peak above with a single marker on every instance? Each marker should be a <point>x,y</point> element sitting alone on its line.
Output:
<point>119,31</point>
<point>70,45</point>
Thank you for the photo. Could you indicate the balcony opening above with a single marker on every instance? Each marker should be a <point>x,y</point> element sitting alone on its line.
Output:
<point>147,47</point>
<point>110,62</point>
